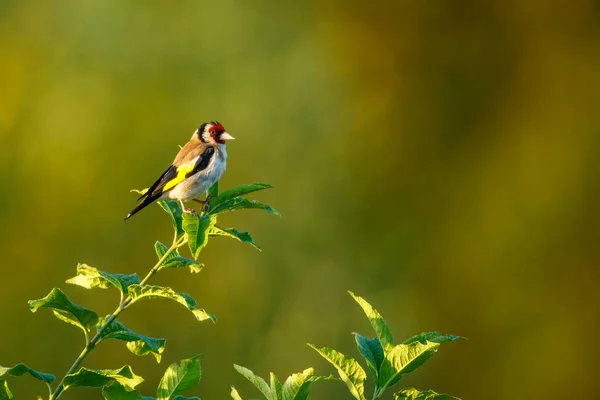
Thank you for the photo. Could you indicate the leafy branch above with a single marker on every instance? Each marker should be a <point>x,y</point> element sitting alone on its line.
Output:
<point>387,363</point>
<point>191,229</point>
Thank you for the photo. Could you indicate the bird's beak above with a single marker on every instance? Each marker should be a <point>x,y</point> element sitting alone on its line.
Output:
<point>225,136</point>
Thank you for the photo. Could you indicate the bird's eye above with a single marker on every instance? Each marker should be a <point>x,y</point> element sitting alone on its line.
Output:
<point>212,132</point>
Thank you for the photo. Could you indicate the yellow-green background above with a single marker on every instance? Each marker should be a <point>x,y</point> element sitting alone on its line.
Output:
<point>439,158</point>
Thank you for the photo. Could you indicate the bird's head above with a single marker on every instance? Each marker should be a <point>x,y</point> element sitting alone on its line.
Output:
<point>213,132</point>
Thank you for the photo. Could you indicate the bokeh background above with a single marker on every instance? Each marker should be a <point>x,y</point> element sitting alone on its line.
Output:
<point>439,158</point>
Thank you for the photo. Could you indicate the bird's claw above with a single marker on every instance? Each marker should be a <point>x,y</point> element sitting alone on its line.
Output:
<point>205,202</point>
<point>190,211</point>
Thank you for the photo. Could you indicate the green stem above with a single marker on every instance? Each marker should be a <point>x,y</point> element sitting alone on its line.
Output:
<point>177,242</point>
<point>377,392</point>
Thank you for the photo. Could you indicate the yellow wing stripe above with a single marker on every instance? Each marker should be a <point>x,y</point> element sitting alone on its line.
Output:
<point>182,171</point>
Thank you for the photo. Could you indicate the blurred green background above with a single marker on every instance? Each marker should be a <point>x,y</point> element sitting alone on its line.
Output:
<point>438,158</point>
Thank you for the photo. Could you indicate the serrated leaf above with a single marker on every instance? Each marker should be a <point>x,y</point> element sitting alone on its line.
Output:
<point>213,191</point>
<point>173,208</point>
<point>372,351</point>
<point>235,395</point>
<point>276,388</point>
<point>414,394</point>
<point>237,191</point>
<point>377,322</point>
<point>101,377</point>
<point>431,337</point>
<point>348,368</point>
<point>243,237</point>
<point>138,292</point>
<point>196,229</point>
<point>65,310</point>
<point>116,391</point>
<point>240,203</point>
<point>5,393</point>
<point>403,359</point>
<point>179,378</point>
<point>21,369</point>
<point>256,380</point>
<point>90,277</point>
<point>138,344</point>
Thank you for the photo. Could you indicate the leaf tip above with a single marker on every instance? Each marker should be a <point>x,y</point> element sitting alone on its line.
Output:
<point>273,211</point>
<point>312,346</point>
<point>354,296</point>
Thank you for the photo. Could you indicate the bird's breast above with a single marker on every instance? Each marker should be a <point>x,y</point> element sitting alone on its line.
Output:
<point>199,183</point>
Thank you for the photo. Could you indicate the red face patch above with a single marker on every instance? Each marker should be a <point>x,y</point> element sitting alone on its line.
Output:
<point>217,127</point>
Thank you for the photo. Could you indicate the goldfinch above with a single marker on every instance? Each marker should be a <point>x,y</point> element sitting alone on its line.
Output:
<point>197,166</point>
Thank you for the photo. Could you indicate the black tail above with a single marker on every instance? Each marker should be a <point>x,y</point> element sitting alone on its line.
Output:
<point>146,202</point>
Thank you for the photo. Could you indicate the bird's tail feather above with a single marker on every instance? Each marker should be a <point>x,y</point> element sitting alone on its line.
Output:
<point>146,202</point>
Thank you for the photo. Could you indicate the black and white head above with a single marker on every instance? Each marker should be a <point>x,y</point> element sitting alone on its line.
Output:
<point>213,133</point>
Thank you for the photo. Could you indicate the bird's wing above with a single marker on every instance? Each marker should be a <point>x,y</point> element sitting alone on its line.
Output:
<point>174,175</point>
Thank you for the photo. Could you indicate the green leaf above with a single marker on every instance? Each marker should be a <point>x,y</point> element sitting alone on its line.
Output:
<point>138,292</point>
<point>101,377</point>
<point>414,394</point>
<point>294,384</point>
<point>161,249</point>
<point>307,386</point>
<point>185,398</point>
<point>243,237</point>
<point>90,277</point>
<point>234,394</point>
<point>236,192</point>
<point>65,310</point>
<point>116,391</point>
<point>182,262</point>
<point>402,359</point>
<point>372,352</point>
<point>256,380</point>
<point>276,388</point>
<point>179,378</point>
<point>240,203</point>
<point>431,337</point>
<point>348,368</point>
<point>175,260</point>
<point>377,322</point>
<point>21,369</point>
<point>196,228</point>
<point>213,191</point>
<point>138,344</point>
<point>5,393</point>
<point>173,208</point>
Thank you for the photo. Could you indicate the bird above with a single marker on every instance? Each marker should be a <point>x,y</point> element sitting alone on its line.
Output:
<point>198,165</point>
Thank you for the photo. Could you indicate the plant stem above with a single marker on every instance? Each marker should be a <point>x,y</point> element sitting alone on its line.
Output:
<point>177,242</point>
<point>377,393</point>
